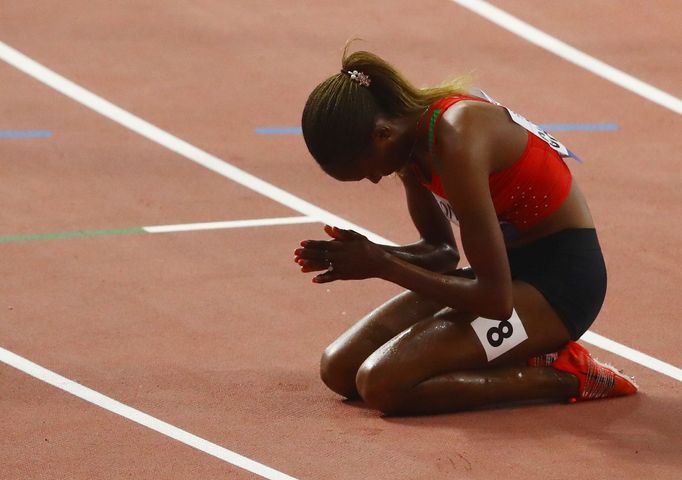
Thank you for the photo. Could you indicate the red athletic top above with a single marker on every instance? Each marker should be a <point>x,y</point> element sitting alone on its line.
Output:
<point>523,194</point>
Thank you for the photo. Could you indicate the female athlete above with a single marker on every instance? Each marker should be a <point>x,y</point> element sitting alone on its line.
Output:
<point>501,331</point>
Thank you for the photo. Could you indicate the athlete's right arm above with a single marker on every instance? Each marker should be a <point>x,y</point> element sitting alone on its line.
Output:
<point>436,250</point>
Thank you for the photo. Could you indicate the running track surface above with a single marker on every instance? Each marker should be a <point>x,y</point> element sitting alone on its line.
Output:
<point>216,332</point>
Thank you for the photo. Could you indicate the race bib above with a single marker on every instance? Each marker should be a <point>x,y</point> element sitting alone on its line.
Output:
<point>498,337</point>
<point>537,131</point>
<point>532,128</point>
<point>446,208</point>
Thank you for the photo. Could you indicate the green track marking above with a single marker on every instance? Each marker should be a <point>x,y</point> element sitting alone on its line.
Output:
<point>186,227</point>
<point>74,234</point>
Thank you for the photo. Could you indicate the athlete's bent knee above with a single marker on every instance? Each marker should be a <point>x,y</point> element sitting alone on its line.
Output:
<point>337,373</point>
<point>377,391</point>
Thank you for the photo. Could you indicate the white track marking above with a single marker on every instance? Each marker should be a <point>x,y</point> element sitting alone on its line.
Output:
<point>259,222</point>
<point>213,163</point>
<point>632,354</point>
<point>171,142</point>
<point>573,55</point>
<point>139,417</point>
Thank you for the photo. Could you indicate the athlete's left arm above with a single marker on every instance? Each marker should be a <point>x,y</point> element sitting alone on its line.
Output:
<point>472,137</point>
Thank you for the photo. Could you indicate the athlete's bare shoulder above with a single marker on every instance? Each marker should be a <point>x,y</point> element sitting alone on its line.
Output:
<point>482,132</point>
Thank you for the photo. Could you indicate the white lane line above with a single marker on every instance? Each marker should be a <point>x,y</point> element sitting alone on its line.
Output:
<point>109,110</point>
<point>171,142</point>
<point>572,54</point>
<point>577,57</point>
<point>139,417</point>
<point>632,354</point>
<point>259,222</point>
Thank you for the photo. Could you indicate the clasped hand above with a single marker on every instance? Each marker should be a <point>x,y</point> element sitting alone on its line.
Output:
<point>348,256</point>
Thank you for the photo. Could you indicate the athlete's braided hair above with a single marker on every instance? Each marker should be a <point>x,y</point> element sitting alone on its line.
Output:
<point>339,115</point>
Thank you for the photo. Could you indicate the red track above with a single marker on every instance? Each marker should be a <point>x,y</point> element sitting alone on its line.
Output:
<point>217,332</point>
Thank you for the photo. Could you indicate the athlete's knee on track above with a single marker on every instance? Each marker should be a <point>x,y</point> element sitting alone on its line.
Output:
<point>379,387</point>
<point>337,371</point>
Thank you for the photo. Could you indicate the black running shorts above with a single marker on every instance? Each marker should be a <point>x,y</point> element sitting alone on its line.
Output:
<point>568,269</point>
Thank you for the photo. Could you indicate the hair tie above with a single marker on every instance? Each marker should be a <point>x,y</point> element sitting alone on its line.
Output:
<point>362,78</point>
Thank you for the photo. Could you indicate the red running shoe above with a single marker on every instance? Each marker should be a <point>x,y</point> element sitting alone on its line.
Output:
<point>597,380</point>
<point>544,360</point>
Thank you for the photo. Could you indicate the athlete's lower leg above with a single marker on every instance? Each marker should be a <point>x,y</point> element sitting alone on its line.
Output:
<point>474,389</point>
<point>574,375</point>
<point>341,360</point>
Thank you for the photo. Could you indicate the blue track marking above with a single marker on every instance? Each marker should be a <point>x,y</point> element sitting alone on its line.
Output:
<point>279,130</point>
<point>552,127</point>
<point>25,133</point>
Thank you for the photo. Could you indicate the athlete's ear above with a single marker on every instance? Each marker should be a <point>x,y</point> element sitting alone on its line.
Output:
<point>383,129</point>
